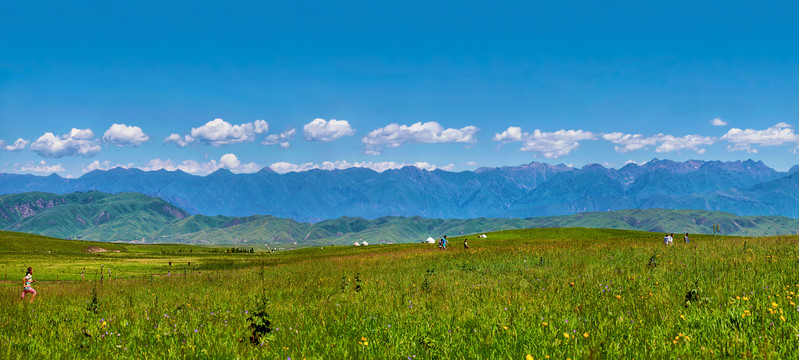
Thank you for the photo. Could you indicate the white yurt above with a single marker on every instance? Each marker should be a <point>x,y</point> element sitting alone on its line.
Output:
<point>364,243</point>
<point>430,240</point>
<point>357,244</point>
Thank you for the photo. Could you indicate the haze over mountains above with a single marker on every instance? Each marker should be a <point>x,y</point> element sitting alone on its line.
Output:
<point>536,189</point>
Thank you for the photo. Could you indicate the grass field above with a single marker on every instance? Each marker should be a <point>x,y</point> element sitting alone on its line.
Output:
<point>547,293</point>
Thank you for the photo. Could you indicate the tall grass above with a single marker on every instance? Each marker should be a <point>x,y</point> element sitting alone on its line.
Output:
<point>561,293</point>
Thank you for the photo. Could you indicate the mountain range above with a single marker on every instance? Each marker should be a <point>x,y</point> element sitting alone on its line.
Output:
<point>134,217</point>
<point>535,189</point>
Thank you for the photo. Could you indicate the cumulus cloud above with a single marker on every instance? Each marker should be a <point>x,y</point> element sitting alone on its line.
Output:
<point>40,167</point>
<point>227,161</point>
<point>471,163</point>
<point>548,144</point>
<point>121,134</point>
<point>394,135</point>
<point>105,165</point>
<point>81,134</point>
<point>281,139</point>
<point>77,142</point>
<point>322,130</point>
<point>181,141</point>
<point>629,142</point>
<point>514,133</point>
<point>285,167</point>
<point>220,132</point>
<point>555,144</point>
<point>742,140</point>
<point>691,142</point>
<point>18,145</point>
<point>718,122</point>
<point>635,162</point>
<point>667,143</point>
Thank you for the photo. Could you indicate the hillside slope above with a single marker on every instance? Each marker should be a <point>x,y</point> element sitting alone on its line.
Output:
<point>91,215</point>
<point>140,218</point>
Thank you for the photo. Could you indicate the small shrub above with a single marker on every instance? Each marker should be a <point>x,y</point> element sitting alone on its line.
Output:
<point>259,322</point>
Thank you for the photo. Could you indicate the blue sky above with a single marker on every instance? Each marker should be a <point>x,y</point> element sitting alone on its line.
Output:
<point>452,85</point>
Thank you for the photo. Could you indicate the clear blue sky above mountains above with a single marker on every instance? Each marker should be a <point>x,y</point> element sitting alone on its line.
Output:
<point>453,85</point>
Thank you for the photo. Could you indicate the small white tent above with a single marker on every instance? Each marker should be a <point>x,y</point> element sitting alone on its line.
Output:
<point>430,240</point>
<point>357,244</point>
<point>364,243</point>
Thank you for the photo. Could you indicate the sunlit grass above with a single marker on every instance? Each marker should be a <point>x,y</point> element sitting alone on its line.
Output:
<point>562,293</point>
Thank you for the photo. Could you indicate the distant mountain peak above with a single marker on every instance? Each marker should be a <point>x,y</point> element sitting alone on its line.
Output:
<point>266,170</point>
<point>221,172</point>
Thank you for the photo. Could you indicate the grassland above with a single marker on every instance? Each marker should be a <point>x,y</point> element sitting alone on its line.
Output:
<point>557,293</point>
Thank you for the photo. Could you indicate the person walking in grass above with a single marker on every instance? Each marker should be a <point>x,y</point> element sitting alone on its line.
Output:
<point>444,243</point>
<point>669,239</point>
<point>686,238</point>
<point>465,244</point>
<point>26,285</point>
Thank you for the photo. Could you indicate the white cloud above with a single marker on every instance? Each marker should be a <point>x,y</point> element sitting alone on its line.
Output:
<point>691,142</point>
<point>394,135</point>
<point>514,133</point>
<point>227,161</point>
<point>635,162</point>
<point>668,143</point>
<point>40,167</point>
<point>548,144</point>
<point>718,122</point>
<point>284,167</point>
<point>181,141</point>
<point>18,145</point>
<point>471,163</point>
<point>81,134</point>
<point>321,130</point>
<point>629,142</point>
<point>105,165</point>
<point>282,139</point>
<point>555,144</point>
<point>742,140</point>
<point>75,143</point>
<point>121,134</point>
<point>220,132</point>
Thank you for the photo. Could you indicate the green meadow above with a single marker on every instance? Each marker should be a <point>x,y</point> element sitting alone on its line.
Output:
<point>537,293</point>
